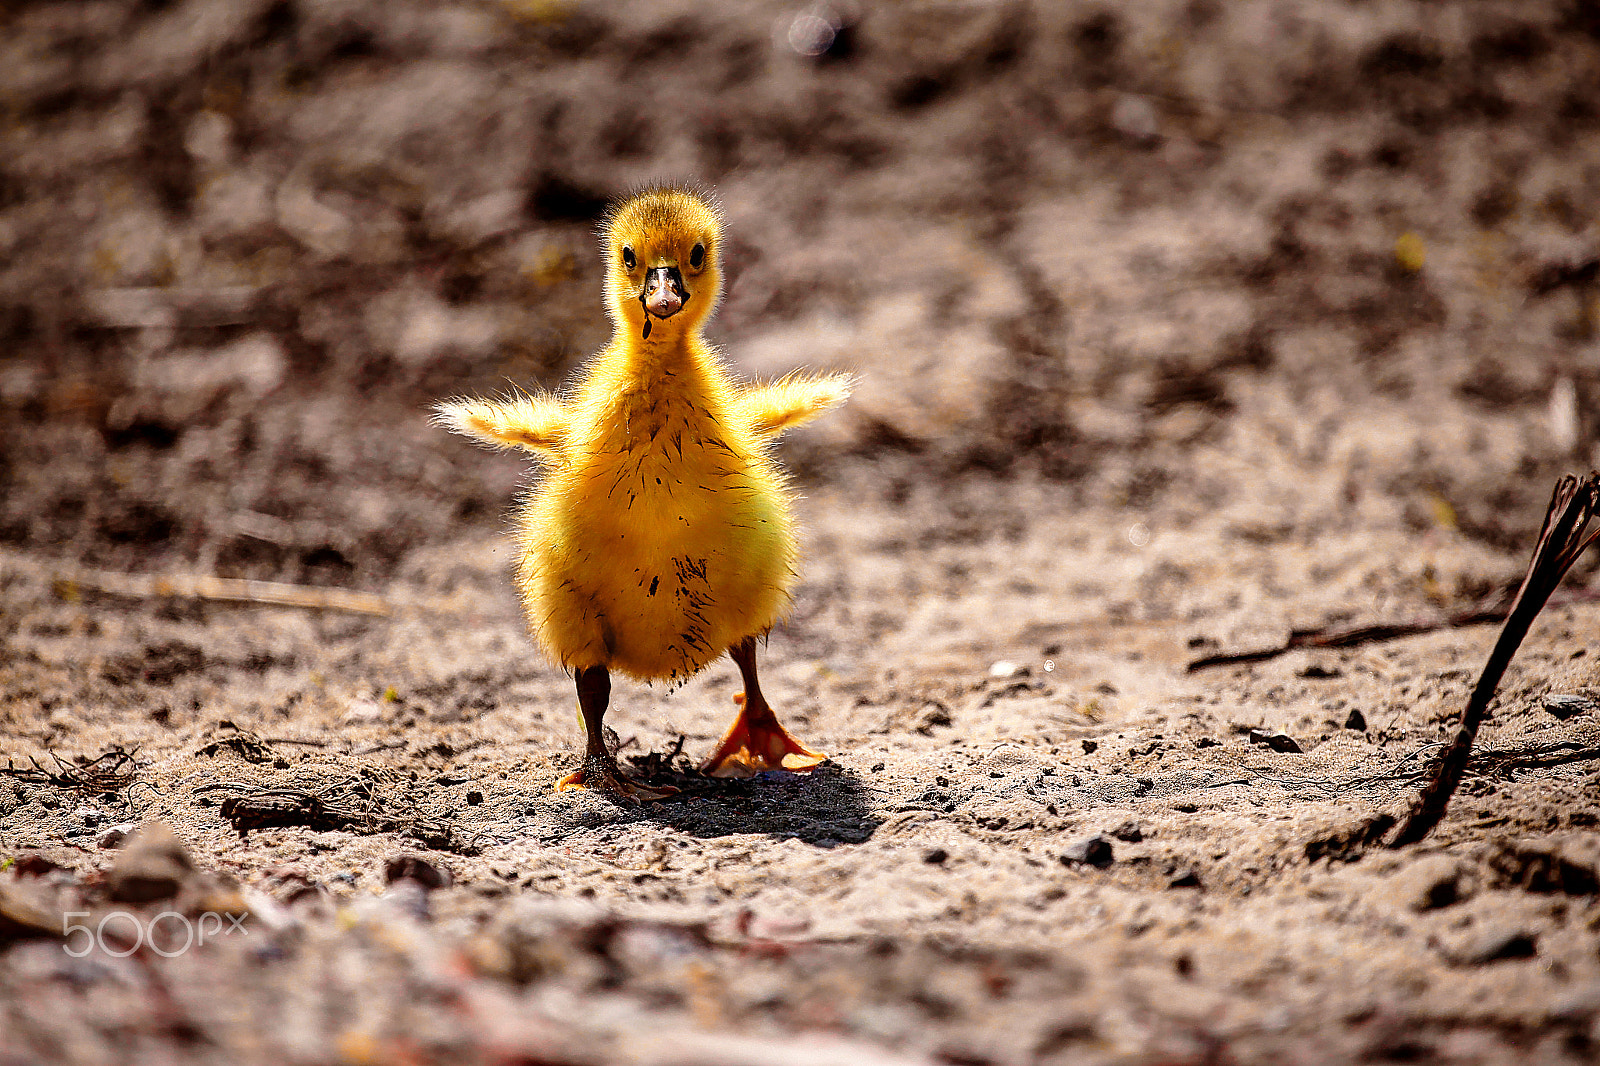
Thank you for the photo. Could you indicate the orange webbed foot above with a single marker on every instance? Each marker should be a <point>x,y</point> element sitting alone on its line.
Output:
<point>601,776</point>
<point>757,741</point>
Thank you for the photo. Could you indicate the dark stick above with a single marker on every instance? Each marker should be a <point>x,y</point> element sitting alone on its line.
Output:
<point>1561,541</point>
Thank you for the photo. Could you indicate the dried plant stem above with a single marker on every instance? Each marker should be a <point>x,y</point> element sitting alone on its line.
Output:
<point>223,589</point>
<point>1561,541</point>
<point>1350,636</point>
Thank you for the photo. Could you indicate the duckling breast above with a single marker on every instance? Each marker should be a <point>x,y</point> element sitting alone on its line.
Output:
<point>664,542</point>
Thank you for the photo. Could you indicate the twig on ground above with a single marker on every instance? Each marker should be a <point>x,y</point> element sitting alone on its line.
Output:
<point>109,772</point>
<point>348,804</point>
<point>1497,609</point>
<point>1561,541</point>
<point>1558,754</point>
<point>242,742</point>
<point>221,589</point>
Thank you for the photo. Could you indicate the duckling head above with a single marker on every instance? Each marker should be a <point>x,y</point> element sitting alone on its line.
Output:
<point>662,249</point>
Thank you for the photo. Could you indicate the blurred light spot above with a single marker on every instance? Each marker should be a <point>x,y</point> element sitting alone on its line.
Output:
<point>1138,534</point>
<point>551,265</point>
<point>1135,118</point>
<point>1410,252</point>
<point>1444,516</point>
<point>1564,414</point>
<point>541,11</point>
<point>812,31</point>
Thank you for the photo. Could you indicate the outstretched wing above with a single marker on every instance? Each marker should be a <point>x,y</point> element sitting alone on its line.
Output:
<point>769,410</point>
<point>537,423</point>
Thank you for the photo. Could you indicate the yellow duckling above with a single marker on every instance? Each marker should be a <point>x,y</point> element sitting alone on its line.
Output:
<point>661,534</point>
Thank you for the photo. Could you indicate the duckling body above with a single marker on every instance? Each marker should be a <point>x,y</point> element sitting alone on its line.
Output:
<point>661,534</point>
<point>667,535</point>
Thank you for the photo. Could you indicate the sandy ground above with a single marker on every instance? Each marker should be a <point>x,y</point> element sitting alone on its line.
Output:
<point>1180,326</point>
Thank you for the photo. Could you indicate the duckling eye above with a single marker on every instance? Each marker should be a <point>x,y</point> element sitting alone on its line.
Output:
<point>697,256</point>
<point>628,259</point>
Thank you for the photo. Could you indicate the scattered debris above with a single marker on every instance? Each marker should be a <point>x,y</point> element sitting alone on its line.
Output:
<point>1185,878</point>
<point>672,768</point>
<point>1494,945</point>
<point>109,772</point>
<point>1493,609</point>
<point>415,868</point>
<point>1431,883</point>
<point>1543,869</point>
<point>1092,851</point>
<point>349,803</point>
<point>1350,843</point>
<point>36,863</point>
<point>114,836</point>
<point>934,715</point>
<point>24,914</point>
<point>1276,741</point>
<point>1568,705</point>
<point>153,865</point>
<point>243,743</point>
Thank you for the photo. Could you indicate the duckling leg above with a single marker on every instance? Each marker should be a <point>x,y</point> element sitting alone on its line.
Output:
<point>600,769</point>
<point>756,740</point>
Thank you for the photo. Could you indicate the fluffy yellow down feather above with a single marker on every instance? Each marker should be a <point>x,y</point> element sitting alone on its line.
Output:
<point>661,533</point>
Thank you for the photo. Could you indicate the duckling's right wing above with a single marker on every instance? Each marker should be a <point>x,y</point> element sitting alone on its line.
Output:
<point>537,423</point>
<point>768,410</point>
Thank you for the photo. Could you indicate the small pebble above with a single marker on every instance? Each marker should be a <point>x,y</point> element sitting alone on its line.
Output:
<point>1093,851</point>
<point>1184,879</point>
<point>415,868</point>
<point>1276,741</point>
<point>1135,118</point>
<point>1565,706</point>
<point>1356,721</point>
<point>114,836</point>
<point>935,856</point>
<point>152,865</point>
<point>1495,945</point>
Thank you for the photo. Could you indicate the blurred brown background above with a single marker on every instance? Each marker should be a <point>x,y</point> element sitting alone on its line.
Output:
<point>1180,325</point>
<point>1167,253</point>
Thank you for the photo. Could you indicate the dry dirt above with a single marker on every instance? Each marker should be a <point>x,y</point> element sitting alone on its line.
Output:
<point>1180,325</point>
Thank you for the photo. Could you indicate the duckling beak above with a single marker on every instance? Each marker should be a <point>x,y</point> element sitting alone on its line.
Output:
<point>664,294</point>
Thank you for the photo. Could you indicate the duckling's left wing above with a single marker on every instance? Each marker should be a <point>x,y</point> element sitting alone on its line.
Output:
<point>769,410</point>
<point>537,423</point>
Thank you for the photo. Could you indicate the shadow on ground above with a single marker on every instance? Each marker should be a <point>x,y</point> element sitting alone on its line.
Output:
<point>825,808</point>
